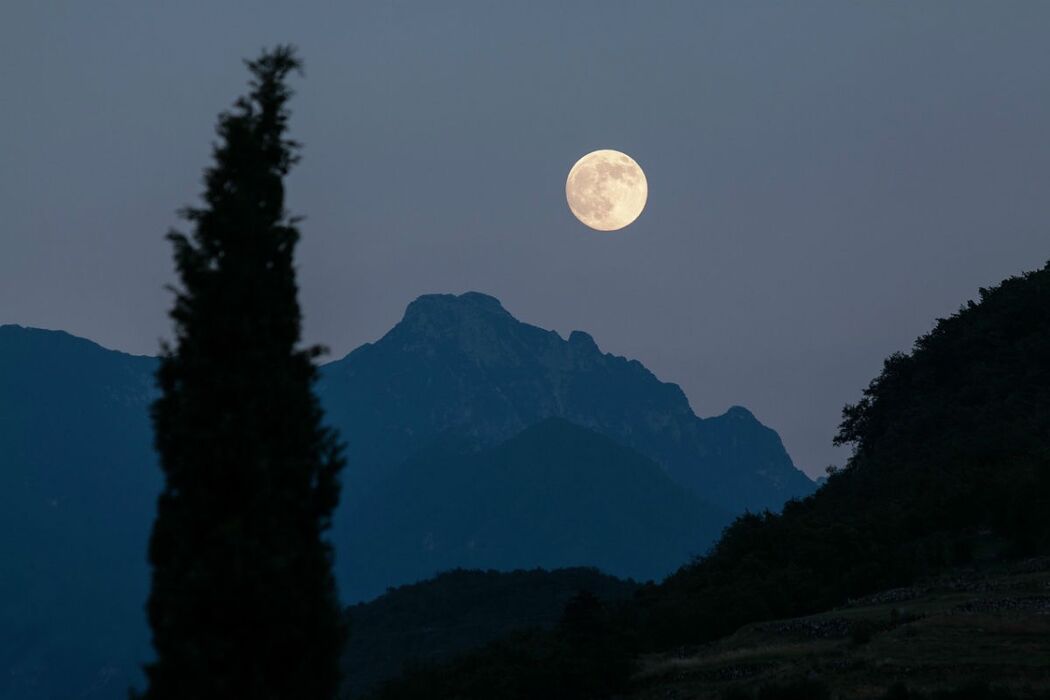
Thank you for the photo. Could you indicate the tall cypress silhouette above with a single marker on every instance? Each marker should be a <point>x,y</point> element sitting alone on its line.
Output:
<point>243,603</point>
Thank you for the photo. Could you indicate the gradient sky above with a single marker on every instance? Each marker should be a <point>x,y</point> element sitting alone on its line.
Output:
<point>826,178</point>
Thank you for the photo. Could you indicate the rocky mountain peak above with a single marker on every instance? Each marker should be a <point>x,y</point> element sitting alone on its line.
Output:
<point>584,341</point>
<point>739,413</point>
<point>461,364</point>
<point>432,309</point>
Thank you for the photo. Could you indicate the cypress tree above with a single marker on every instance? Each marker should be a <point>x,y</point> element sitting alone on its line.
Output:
<point>243,601</point>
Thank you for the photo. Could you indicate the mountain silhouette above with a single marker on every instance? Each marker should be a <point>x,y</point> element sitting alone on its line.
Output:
<point>452,462</point>
<point>463,364</point>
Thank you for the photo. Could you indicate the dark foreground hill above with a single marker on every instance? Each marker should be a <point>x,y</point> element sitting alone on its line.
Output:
<point>946,637</point>
<point>432,621</point>
<point>965,634</point>
<point>952,457</point>
<point>952,468</point>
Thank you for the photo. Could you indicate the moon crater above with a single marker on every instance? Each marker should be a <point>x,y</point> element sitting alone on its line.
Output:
<point>606,190</point>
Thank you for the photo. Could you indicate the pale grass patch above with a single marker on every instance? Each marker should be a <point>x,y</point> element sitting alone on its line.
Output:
<point>662,664</point>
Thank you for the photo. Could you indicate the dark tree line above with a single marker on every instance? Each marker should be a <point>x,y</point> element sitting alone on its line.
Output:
<point>952,459</point>
<point>243,602</point>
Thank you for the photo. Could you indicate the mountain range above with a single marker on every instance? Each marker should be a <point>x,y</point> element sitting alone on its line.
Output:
<point>918,570</point>
<point>78,485</point>
<point>472,440</point>
<point>464,364</point>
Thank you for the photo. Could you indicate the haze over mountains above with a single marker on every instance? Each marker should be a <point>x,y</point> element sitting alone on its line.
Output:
<point>472,440</point>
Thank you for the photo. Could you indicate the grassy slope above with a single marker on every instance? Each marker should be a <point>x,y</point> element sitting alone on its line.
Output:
<point>991,625</point>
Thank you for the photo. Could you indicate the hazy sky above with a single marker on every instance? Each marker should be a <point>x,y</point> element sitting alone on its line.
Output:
<point>826,178</point>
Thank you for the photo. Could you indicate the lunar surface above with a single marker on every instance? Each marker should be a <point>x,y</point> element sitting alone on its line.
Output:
<point>606,190</point>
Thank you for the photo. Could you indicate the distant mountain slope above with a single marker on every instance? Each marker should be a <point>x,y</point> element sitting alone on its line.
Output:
<point>554,495</point>
<point>77,490</point>
<point>463,364</point>
<point>78,476</point>
<point>433,620</point>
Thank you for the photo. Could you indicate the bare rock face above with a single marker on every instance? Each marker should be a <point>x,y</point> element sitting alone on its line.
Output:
<point>463,365</point>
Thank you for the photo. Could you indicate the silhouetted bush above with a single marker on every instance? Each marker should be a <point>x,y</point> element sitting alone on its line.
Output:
<point>861,631</point>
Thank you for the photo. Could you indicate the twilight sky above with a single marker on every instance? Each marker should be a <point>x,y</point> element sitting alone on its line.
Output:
<point>825,178</point>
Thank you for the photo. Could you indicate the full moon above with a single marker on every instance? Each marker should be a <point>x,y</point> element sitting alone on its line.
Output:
<point>606,190</point>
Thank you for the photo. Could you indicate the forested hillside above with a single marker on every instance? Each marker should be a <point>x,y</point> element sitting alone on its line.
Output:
<point>951,468</point>
<point>952,462</point>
